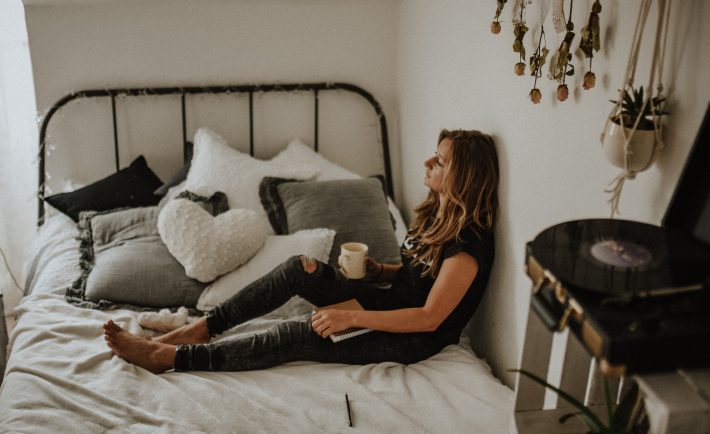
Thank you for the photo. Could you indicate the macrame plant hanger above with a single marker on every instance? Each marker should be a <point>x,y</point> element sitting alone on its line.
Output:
<point>657,61</point>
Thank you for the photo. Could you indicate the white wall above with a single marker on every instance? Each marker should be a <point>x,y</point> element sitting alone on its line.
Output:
<point>453,73</point>
<point>88,44</point>
<point>17,146</point>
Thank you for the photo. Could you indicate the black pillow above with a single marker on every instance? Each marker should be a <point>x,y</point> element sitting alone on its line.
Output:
<point>127,188</point>
<point>180,175</point>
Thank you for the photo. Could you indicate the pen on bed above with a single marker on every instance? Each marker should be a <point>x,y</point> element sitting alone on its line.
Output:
<point>347,405</point>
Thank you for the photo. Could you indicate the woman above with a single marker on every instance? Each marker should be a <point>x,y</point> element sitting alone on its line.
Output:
<point>446,261</point>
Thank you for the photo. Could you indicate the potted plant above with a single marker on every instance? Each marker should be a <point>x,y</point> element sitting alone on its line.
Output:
<point>635,125</point>
<point>621,419</point>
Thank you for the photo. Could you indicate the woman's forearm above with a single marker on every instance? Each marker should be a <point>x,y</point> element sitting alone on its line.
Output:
<point>409,320</point>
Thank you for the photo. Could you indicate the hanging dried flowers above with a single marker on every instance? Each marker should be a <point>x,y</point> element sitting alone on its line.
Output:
<point>537,60</point>
<point>560,65</point>
<point>562,92</point>
<point>560,61</point>
<point>535,96</point>
<point>590,42</point>
<point>519,30</point>
<point>495,25</point>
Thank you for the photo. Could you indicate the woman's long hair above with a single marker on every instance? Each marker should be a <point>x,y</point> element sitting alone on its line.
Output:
<point>470,188</point>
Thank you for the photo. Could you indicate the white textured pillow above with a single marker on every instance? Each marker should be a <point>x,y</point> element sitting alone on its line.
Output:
<point>217,167</point>
<point>210,246</point>
<point>315,243</point>
<point>297,152</point>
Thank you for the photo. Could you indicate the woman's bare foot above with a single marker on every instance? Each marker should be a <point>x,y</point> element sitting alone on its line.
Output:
<point>153,356</point>
<point>193,333</point>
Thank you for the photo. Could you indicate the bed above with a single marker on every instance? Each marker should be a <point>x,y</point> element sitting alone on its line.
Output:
<point>61,377</point>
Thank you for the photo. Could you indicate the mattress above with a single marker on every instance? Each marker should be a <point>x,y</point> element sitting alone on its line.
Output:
<point>61,377</point>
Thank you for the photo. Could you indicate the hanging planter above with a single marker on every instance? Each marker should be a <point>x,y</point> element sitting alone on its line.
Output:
<point>632,137</point>
<point>640,149</point>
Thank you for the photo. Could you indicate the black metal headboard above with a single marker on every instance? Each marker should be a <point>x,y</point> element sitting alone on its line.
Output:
<point>193,90</point>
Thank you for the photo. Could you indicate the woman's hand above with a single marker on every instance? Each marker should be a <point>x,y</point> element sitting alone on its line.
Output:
<point>373,269</point>
<point>328,321</point>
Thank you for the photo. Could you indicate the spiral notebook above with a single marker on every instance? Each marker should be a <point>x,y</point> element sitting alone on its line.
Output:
<point>351,304</point>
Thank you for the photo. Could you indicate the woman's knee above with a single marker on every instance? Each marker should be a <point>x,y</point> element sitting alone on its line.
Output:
<point>301,264</point>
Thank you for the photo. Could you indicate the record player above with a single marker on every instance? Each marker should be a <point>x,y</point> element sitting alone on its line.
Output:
<point>637,295</point>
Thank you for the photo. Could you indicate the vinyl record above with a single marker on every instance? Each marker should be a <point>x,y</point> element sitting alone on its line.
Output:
<point>622,257</point>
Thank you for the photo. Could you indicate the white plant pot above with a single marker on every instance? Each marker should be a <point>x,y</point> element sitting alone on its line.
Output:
<point>641,147</point>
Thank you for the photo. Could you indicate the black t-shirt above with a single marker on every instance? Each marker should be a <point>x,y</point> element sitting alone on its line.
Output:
<point>412,289</point>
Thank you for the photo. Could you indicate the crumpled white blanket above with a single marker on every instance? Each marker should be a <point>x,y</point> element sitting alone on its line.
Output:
<point>61,377</point>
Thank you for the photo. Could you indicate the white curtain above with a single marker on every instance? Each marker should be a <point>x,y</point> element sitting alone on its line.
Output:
<point>18,148</point>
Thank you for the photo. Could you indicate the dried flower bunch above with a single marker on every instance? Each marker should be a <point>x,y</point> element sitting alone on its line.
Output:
<point>495,25</point>
<point>537,60</point>
<point>519,30</point>
<point>591,42</point>
<point>560,66</point>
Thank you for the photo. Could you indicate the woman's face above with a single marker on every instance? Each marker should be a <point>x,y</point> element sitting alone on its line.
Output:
<point>436,165</point>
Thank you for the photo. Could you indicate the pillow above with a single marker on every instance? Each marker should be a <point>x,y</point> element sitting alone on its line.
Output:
<point>129,187</point>
<point>356,209</point>
<point>126,265</point>
<point>209,246</point>
<point>315,243</point>
<point>297,152</point>
<point>172,193</point>
<point>217,167</point>
<point>179,176</point>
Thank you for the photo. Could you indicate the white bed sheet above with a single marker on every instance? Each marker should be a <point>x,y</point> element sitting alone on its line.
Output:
<point>61,377</point>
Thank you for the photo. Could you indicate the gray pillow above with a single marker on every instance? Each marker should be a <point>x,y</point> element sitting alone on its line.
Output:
<point>126,265</point>
<point>356,209</point>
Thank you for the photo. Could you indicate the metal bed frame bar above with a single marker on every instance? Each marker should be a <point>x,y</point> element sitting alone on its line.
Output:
<point>195,90</point>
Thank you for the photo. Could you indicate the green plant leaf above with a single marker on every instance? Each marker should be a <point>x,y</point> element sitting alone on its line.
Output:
<point>622,416</point>
<point>569,416</point>
<point>590,418</point>
<point>607,395</point>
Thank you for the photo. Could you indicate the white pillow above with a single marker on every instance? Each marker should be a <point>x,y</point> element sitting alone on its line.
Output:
<point>217,167</point>
<point>208,246</point>
<point>315,243</point>
<point>297,152</point>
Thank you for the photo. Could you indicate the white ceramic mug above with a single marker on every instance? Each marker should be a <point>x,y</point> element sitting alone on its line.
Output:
<point>352,260</point>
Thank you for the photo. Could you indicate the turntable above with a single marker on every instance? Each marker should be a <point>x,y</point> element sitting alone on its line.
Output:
<point>637,295</point>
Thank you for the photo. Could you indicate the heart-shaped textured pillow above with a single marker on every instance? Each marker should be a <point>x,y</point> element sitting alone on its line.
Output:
<point>210,246</point>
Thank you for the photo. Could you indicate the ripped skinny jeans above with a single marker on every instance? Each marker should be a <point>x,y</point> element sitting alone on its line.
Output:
<point>294,340</point>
